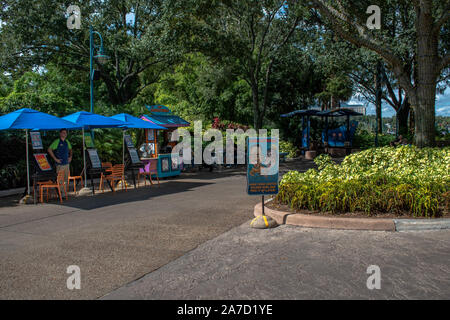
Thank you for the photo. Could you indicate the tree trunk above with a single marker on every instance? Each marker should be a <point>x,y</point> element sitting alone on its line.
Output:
<point>427,61</point>
<point>412,121</point>
<point>402,118</point>
<point>256,111</point>
<point>421,92</point>
<point>378,95</point>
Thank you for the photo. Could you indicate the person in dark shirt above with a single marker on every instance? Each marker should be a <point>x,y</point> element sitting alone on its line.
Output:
<point>61,151</point>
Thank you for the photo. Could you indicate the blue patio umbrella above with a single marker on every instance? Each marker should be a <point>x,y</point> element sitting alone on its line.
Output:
<point>88,120</point>
<point>134,123</point>
<point>29,119</point>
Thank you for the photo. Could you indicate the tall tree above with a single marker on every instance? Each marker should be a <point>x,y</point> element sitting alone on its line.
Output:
<point>247,33</point>
<point>34,33</point>
<point>432,57</point>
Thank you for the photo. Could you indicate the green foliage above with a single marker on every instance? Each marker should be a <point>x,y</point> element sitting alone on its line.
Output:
<point>382,180</point>
<point>286,146</point>
<point>365,140</point>
<point>338,87</point>
<point>12,160</point>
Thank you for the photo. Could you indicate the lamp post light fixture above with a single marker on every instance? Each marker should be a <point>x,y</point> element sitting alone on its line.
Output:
<point>100,56</point>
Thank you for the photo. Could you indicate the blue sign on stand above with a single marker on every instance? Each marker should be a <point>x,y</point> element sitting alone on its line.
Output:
<point>263,166</point>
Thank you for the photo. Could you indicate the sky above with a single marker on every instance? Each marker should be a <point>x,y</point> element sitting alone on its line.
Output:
<point>442,105</point>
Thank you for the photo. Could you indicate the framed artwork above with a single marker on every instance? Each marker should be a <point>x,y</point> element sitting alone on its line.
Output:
<point>165,165</point>
<point>150,134</point>
<point>175,163</point>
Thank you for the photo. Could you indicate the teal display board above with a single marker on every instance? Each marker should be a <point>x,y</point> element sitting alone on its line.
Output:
<point>262,175</point>
<point>168,166</point>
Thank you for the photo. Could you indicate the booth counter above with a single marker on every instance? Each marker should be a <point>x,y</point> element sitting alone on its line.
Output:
<point>166,165</point>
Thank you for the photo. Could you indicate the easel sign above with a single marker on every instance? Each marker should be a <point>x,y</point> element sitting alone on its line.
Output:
<point>36,141</point>
<point>128,141</point>
<point>94,158</point>
<point>134,156</point>
<point>262,166</point>
<point>42,162</point>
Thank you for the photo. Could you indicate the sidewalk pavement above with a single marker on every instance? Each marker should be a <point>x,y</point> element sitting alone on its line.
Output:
<point>300,263</point>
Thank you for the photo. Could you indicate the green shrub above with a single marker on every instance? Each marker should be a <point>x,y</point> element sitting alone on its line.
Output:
<point>382,180</point>
<point>288,147</point>
<point>365,140</point>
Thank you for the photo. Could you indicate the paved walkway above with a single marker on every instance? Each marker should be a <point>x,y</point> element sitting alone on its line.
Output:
<point>189,238</point>
<point>115,238</point>
<point>299,263</point>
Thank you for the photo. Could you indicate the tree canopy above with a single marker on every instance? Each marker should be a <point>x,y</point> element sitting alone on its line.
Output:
<point>244,61</point>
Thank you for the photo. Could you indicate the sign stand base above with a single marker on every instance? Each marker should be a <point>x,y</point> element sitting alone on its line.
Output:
<point>84,191</point>
<point>27,200</point>
<point>263,221</point>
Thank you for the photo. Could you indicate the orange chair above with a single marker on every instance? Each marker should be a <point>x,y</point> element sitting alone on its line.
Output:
<point>151,168</point>
<point>54,185</point>
<point>75,179</point>
<point>117,174</point>
<point>107,166</point>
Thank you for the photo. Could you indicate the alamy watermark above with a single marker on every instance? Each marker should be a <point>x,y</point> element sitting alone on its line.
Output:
<point>374,280</point>
<point>191,150</point>
<point>374,20</point>
<point>74,280</point>
<point>74,19</point>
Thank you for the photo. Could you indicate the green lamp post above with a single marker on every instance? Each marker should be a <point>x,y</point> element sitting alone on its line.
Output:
<point>101,58</point>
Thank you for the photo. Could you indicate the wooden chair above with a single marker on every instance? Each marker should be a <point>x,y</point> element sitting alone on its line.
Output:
<point>117,174</point>
<point>107,166</point>
<point>150,168</point>
<point>54,185</point>
<point>75,179</point>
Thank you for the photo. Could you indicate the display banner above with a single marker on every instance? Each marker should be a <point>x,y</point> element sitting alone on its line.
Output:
<point>262,166</point>
<point>36,141</point>
<point>42,161</point>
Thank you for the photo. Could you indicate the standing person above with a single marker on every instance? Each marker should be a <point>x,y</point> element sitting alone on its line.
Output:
<point>61,151</point>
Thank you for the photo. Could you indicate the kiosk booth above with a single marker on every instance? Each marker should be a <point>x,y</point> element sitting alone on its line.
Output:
<point>160,151</point>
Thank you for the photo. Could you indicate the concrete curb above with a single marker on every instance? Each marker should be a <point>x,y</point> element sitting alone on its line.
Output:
<point>421,224</point>
<point>311,221</point>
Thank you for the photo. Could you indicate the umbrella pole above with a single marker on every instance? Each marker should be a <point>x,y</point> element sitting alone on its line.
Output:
<point>28,165</point>
<point>84,160</point>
